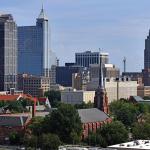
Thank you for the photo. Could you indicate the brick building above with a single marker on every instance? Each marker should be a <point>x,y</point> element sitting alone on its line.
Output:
<point>92,119</point>
<point>12,123</point>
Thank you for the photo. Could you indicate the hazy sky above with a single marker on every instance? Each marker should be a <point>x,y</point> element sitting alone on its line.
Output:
<point>118,27</point>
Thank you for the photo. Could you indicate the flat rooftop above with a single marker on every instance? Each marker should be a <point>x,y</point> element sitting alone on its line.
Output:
<point>134,145</point>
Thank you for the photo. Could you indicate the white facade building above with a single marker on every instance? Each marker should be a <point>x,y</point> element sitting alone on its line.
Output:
<point>77,97</point>
<point>116,89</point>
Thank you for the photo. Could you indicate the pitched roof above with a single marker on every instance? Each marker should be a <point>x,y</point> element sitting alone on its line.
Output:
<point>92,115</point>
<point>8,97</point>
<point>13,121</point>
<point>16,97</point>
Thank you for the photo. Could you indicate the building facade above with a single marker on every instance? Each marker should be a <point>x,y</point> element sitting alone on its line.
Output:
<point>33,85</point>
<point>116,88</point>
<point>8,52</point>
<point>134,76</point>
<point>146,76</point>
<point>143,91</point>
<point>92,119</point>
<point>35,56</point>
<point>77,97</point>
<point>147,53</point>
<point>109,71</point>
<point>64,74</point>
<point>84,59</point>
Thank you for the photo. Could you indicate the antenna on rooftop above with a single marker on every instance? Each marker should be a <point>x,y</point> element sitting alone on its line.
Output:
<point>124,64</point>
<point>42,4</point>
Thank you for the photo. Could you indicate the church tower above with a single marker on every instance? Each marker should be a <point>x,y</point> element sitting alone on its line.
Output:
<point>101,99</point>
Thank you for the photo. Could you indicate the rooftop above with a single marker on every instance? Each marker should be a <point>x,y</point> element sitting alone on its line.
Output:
<point>136,145</point>
<point>92,115</point>
<point>13,120</point>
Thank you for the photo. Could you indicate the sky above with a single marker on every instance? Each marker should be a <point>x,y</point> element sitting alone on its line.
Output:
<point>118,27</point>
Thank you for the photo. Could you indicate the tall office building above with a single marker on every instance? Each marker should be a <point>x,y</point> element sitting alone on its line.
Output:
<point>146,70</point>
<point>8,52</point>
<point>35,56</point>
<point>84,59</point>
<point>147,52</point>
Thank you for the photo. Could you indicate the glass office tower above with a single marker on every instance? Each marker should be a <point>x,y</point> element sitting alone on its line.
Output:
<point>34,50</point>
<point>8,52</point>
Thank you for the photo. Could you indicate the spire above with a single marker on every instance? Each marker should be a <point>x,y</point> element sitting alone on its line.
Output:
<point>42,14</point>
<point>101,78</point>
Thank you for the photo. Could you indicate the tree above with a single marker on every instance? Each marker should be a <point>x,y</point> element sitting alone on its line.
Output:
<point>95,139</point>
<point>50,142</point>
<point>114,133</point>
<point>146,98</point>
<point>36,126</point>
<point>31,141</point>
<point>125,112</point>
<point>64,121</point>
<point>14,138</point>
<point>54,97</point>
<point>84,105</point>
<point>141,129</point>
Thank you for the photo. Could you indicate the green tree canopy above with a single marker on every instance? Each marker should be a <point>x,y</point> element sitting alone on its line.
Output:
<point>54,97</point>
<point>84,105</point>
<point>114,133</point>
<point>125,112</point>
<point>36,125</point>
<point>64,122</point>
<point>141,129</point>
<point>14,138</point>
<point>109,134</point>
<point>50,142</point>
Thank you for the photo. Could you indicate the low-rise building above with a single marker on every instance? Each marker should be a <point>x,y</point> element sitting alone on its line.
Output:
<point>138,99</point>
<point>143,91</point>
<point>77,97</point>
<point>12,123</point>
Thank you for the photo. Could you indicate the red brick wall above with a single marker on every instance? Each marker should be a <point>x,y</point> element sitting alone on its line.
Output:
<point>5,132</point>
<point>87,127</point>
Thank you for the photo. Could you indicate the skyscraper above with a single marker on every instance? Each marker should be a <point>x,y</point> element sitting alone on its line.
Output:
<point>34,47</point>
<point>8,52</point>
<point>84,59</point>
<point>147,53</point>
<point>146,70</point>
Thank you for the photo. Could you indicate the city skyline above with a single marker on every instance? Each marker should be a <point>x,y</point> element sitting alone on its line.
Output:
<point>117,27</point>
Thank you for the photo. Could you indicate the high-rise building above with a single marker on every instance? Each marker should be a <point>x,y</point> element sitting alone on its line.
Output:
<point>8,52</point>
<point>35,56</point>
<point>84,59</point>
<point>146,70</point>
<point>147,52</point>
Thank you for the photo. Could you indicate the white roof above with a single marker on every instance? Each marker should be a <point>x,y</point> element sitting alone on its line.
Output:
<point>136,145</point>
